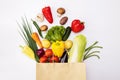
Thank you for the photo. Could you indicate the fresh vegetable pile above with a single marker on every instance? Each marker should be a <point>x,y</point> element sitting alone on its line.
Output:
<point>55,46</point>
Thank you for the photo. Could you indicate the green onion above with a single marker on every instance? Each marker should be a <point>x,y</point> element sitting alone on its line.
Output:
<point>25,32</point>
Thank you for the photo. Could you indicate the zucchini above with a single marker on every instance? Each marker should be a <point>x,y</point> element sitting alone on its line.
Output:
<point>66,34</point>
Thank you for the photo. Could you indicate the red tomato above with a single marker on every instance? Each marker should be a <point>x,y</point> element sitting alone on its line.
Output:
<point>48,53</point>
<point>54,59</point>
<point>43,59</point>
<point>77,26</point>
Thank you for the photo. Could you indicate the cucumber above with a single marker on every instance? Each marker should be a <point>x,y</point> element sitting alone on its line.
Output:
<point>66,34</point>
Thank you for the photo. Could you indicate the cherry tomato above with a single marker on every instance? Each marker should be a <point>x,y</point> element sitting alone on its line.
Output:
<point>43,59</point>
<point>48,53</point>
<point>54,59</point>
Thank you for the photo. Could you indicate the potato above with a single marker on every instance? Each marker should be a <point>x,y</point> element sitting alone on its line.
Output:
<point>43,27</point>
<point>68,44</point>
<point>46,43</point>
<point>63,20</point>
<point>60,11</point>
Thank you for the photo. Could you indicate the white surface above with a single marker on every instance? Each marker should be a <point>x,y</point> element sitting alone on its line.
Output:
<point>101,18</point>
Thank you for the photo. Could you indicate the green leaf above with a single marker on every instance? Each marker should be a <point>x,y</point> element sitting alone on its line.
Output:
<point>29,27</point>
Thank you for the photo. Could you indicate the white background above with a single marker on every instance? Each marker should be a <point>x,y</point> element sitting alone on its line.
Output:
<point>102,20</point>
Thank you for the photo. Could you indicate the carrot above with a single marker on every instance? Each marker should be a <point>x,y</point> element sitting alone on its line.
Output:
<point>36,38</point>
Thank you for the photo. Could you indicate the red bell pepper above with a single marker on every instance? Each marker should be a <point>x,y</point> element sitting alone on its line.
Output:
<point>47,13</point>
<point>77,26</point>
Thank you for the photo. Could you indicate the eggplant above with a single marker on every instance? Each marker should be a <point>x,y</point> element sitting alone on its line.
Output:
<point>64,58</point>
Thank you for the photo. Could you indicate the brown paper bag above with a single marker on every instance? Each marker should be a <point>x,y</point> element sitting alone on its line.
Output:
<point>60,71</point>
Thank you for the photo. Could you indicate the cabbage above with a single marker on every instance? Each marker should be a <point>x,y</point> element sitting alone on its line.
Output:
<point>76,53</point>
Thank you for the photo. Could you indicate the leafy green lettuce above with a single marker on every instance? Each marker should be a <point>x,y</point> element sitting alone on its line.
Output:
<point>55,33</point>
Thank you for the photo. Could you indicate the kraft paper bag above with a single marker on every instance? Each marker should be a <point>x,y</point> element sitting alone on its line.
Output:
<point>60,71</point>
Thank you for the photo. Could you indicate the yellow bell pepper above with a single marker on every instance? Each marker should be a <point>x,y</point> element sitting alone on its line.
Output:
<point>58,48</point>
<point>28,51</point>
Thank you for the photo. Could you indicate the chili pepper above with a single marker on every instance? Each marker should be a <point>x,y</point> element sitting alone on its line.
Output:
<point>77,26</point>
<point>38,28</point>
<point>47,13</point>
